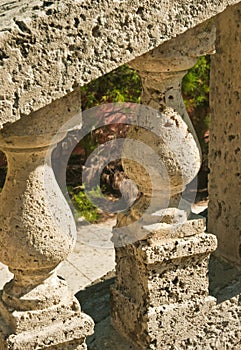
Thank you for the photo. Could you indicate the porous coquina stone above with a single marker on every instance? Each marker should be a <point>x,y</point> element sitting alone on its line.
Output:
<point>163,283</point>
<point>49,47</point>
<point>225,137</point>
<point>37,232</point>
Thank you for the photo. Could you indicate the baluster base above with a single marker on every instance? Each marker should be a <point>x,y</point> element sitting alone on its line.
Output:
<point>162,281</point>
<point>61,325</point>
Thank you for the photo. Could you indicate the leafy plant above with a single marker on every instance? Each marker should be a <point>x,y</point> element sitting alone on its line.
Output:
<point>195,84</point>
<point>121,85</point>
<point>124,85</point>
<point>82,205</point>
<point>195,87</point>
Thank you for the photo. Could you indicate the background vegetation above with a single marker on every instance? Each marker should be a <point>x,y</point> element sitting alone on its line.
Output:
<point>124,85</point>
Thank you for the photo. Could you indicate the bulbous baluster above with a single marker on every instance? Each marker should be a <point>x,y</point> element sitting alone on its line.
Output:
<point>37,232</point>
<point>161,256</point>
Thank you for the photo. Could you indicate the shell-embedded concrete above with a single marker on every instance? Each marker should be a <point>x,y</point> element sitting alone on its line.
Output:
<point>49,47</point>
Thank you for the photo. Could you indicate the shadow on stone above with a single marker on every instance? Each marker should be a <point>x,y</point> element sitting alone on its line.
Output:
<point>95,299</point>
<point>224,279</point>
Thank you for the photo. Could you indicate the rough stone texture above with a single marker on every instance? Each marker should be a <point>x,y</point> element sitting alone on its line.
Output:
<point>49,328</point>
<point>33,211</point>
<point>225,137</point>
<point>163,284</point>
<point>49,47</point>
<point>221,331</point>
<point>163,276</point>
<point>172,158</point>
<point>163,68</point>
<point>167,301</point>
<point>37,233</point>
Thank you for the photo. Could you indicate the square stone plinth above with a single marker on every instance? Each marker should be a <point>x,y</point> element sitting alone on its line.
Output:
<point>161,288</point>
<point>62,325</point>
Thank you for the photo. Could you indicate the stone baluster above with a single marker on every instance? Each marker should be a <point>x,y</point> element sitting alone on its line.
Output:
<point>37,232</point>
<point>161,289</point>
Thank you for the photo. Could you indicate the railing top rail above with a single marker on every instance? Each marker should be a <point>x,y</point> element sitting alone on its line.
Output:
<point>47,48</point>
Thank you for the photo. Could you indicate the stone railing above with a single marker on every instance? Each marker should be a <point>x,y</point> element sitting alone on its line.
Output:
<point>160,299</point>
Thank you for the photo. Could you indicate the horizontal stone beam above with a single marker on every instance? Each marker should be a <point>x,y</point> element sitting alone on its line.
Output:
<point>49,47</point>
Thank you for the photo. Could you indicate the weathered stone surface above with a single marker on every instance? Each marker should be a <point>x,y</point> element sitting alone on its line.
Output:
<point>49,47</point>
<point>34,212</point>
<point>166,325</point>
<point>163,277</point>
<point>163,68</point>
<point>172,158</point>
<point>179,53</point>
<point>170,306</point>
<point>166,223</point>
<point>225,137</point>
<point>57,325</point>
<point>218,329</point>
<point>37,233</point>
<point>163,284</point>
<point>167,301</point>
<point>159,231</point>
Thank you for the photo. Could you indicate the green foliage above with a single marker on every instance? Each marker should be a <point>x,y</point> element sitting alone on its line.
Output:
<point>195,87</point>
<point>121,85</point>
<point>124,85</point>
<point>195,84</point>
<point>82,204</point>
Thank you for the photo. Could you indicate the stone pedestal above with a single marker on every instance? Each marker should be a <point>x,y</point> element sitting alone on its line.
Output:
<point>161,290</point>
<point>37,232</point>
<point>59,325</point>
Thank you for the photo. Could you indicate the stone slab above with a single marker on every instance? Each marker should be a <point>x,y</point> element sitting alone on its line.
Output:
<point>56,334</point>
<point>50,47</point>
